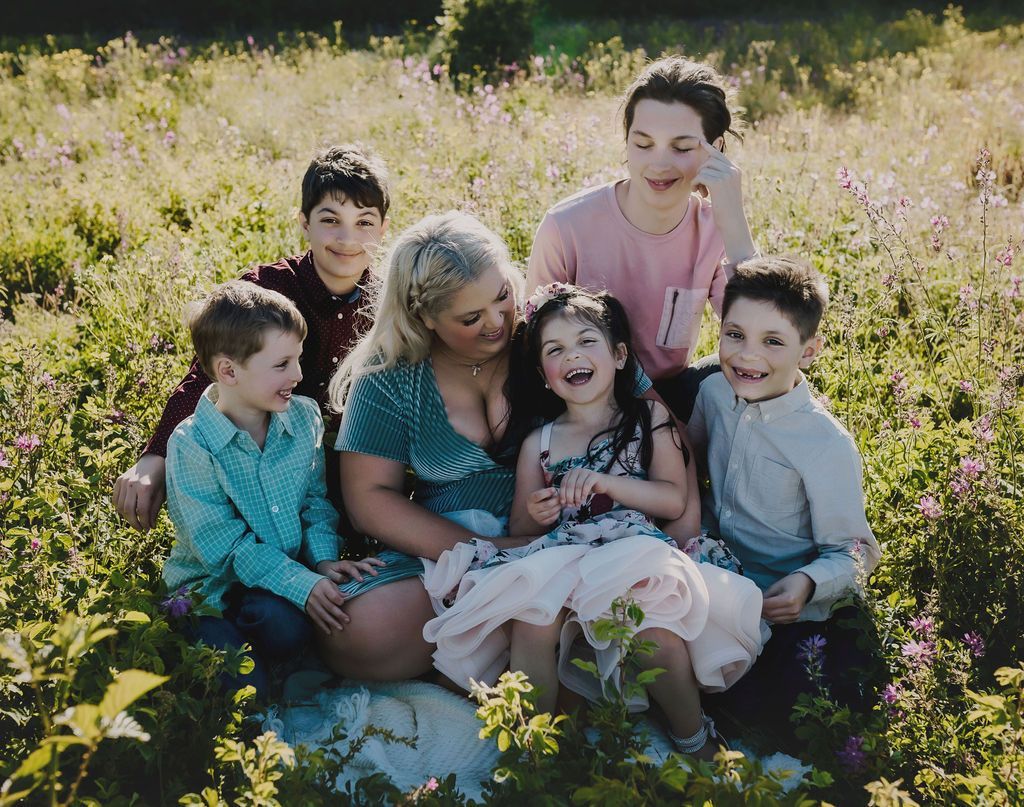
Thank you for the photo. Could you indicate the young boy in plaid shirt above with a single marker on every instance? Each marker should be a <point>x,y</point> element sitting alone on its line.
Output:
<point>246,489</point>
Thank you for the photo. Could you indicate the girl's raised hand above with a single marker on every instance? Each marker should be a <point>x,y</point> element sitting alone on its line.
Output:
<point>543,506</point>
<point>578,484</point>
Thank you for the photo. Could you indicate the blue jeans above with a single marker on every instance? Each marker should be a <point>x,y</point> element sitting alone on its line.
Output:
<point>274,628</point>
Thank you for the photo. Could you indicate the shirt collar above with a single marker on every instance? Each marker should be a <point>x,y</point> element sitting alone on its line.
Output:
<point>322,295</point>
<point>217,428</point>
<point>776,408</point>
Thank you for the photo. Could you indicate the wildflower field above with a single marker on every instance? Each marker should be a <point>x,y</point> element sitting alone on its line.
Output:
<point>134,175</point>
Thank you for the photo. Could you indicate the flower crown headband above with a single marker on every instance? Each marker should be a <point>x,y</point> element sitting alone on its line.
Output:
<point>542,296</point>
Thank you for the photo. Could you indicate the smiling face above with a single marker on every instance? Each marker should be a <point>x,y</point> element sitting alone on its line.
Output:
<point>477,324</point>
<point>577,360</point>
<point>761,351</point>
<point>663,155</point>
<point>263,382</point>
<point>343,238</point>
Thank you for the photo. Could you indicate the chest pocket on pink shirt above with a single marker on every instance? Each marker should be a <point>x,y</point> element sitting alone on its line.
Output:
<point>681,313</point>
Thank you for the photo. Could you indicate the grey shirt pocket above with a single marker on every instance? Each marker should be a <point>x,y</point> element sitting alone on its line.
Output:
<point>681,312</point>
<point>776,488</point>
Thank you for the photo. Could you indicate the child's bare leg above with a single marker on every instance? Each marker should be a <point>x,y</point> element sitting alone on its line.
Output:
<point>675,690</point>
<point>532,650</point>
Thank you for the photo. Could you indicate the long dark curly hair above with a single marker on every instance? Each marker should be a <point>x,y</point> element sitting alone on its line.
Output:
<point>532,404</point>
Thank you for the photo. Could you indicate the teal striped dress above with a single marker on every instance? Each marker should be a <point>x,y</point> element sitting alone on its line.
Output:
<point>399,414</point>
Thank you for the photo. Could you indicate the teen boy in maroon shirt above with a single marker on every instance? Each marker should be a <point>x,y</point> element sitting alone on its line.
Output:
<point>345,202</point>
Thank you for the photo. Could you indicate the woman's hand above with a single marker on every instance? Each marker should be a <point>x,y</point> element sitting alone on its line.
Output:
<point>543,506</point>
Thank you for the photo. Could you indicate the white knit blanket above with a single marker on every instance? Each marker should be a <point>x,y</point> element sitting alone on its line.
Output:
<point>444,724</point>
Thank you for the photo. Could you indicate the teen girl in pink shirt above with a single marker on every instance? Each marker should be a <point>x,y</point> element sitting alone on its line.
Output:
<point>665,239</point>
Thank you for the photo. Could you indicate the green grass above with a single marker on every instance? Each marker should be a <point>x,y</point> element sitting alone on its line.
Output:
<point>134,178</point>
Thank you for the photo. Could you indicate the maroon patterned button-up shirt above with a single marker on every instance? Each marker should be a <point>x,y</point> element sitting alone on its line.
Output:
<point>335,323</point>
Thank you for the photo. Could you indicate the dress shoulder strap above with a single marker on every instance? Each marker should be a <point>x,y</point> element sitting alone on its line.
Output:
<point>545,438</point>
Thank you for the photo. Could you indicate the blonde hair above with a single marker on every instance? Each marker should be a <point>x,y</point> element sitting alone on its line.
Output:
<point>429,263</point>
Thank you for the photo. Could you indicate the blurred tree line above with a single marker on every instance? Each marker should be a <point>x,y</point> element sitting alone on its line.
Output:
<point>215,18</point>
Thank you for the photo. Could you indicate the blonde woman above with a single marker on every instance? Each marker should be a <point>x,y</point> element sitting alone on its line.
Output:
<point>424,390</point>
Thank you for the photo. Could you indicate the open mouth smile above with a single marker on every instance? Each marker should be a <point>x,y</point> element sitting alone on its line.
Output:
<point>749,375</point>
<point>578,376</point>
<point>494,336</point>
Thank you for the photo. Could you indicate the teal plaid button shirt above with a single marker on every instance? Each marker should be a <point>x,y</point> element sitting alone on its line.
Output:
<point>245,515</point>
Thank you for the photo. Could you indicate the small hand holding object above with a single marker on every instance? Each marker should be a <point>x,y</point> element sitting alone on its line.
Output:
<point>543,506</point>
<point>785,599</point>
<point>578,484</point>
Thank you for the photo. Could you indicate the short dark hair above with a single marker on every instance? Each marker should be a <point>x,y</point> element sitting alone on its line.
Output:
<point>348,171</point>
<point>232,319</point>
<point>677,79</point>
<point>790,284</point>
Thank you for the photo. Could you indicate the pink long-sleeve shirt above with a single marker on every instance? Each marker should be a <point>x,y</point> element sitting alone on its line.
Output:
<point>663,281</point>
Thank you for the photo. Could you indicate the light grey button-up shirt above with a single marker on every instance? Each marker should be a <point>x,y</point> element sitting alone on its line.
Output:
<point>786,492</point>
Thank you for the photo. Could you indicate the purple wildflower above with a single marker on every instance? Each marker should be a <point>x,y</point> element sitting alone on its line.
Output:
<point>966,386</point>
<point>890,694</point>
<point>975,644</point>
<point>27,443</point>
<point>178,604</point>
<point>35,545</point>
<point>852,756</point>
<point>971,467</point>
<point>811,648</point>
<point>431,784</point>
<point>47,381</point>
<point>919,652</point>
<point>930,508</point>
<point>4,462</point>
<point>923,624</point>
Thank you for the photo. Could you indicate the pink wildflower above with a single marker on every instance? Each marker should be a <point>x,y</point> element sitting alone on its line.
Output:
<point>431,784</point>
<point>919,652</point>
<point>27,443</point>
<point>923,624</point>
<point>4,462</point>
<point>939,223</point>
<point>35,545</point>
<point>1005,257</point>
<point>930,508</point>
<point>845,178</point>
<point>890,694</point>
<point>966,386</point>
<point>971,467</point>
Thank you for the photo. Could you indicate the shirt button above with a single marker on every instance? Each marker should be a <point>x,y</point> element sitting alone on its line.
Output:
<point>274,509</point>
<point>767,416</point>
<point>727,513</point>
<point>746,416</point>
<point>341,315</point>
<point>334,360</point>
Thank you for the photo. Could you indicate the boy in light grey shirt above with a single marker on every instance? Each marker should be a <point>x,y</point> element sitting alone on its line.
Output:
<point>786,493</point>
